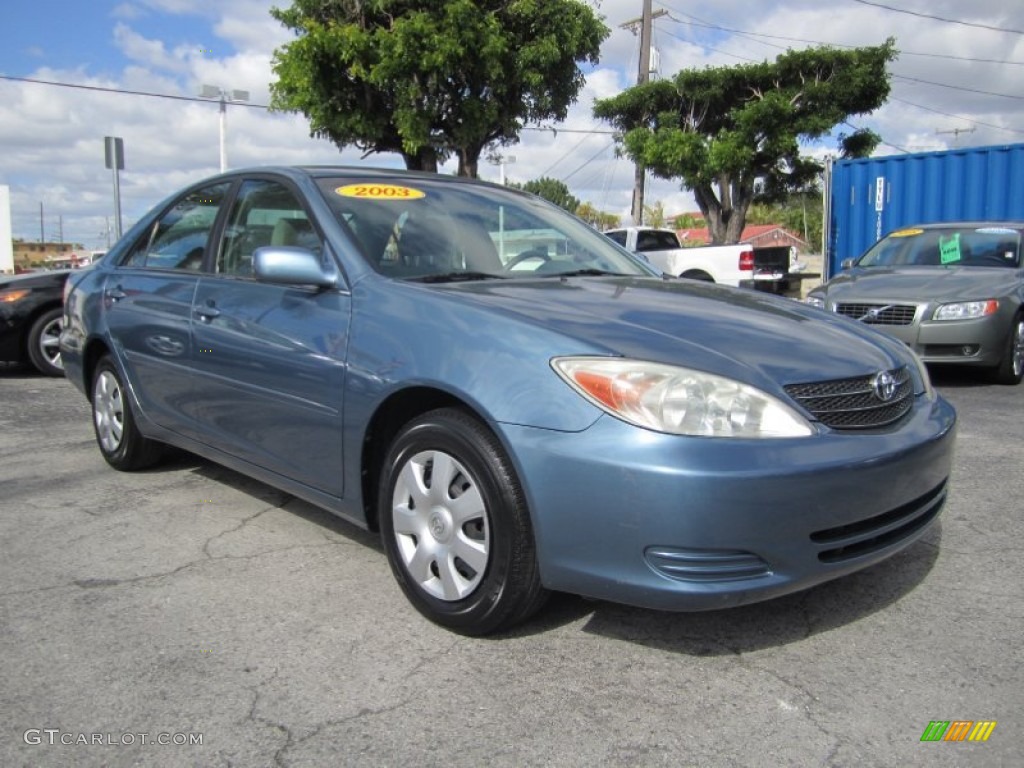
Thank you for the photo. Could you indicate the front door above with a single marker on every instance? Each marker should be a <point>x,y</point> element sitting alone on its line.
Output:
<point>269,359</point>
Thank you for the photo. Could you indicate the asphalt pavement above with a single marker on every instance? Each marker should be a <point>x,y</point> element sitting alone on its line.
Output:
<point>190,616</point>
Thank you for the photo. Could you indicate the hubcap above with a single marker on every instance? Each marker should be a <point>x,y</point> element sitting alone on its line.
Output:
<point>441,527</point>
<point>49,342</point>
<point>108,411</point>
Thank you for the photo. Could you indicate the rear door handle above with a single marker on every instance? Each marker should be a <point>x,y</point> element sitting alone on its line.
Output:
<point>115,294</point>
<point>207,312</point>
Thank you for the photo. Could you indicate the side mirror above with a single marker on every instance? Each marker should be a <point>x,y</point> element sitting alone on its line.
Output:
<point>290,265</point>
<point>847,263</point>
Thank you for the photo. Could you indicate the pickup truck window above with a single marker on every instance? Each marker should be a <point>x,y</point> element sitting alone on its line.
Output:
<point>656,240</point>
<point>619,237</point>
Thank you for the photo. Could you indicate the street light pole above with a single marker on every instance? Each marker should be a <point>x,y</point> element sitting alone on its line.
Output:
<point>215,92</point>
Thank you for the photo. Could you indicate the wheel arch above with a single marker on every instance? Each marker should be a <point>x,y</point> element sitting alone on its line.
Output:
<point>94,350</point>
<point>397,410</point>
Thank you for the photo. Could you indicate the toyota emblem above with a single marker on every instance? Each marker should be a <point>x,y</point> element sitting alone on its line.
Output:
<point>884,385</point>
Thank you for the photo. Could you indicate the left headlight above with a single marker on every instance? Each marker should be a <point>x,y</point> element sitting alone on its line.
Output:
<point>815,301</point>
<point>966,310</point>
<point>12,295</point>
<point>679,401</point>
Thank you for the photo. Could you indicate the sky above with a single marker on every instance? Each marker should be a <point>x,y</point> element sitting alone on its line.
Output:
<point>957,83</point>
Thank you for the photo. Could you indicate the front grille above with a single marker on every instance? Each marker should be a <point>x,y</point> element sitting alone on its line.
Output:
<point>880,531</point>
<point>705,565</point>
<point>854,403</point>
<point>879,314</point>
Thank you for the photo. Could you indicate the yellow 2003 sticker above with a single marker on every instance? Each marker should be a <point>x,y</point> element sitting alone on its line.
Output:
<point>380,192</point>
<point>907,233</point>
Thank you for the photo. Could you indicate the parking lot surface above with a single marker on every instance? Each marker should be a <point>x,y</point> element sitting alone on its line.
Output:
<point>190,616</point>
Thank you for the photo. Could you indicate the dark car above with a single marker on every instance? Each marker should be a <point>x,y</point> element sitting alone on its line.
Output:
<point>31,319</point>
<point>952,292</point>
<point>516,403</point>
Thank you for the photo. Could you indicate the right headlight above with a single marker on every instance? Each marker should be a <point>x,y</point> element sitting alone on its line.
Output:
<point>815,301</point>
<point>679,401</point>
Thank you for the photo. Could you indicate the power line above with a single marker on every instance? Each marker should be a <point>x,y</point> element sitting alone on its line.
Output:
<point>958,117</point>
<point>695,22</point>
<point>940,18</point>
<point>958,87</point>
<point>151,94</point>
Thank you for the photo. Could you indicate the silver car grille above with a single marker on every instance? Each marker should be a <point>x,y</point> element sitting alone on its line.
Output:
<point>855,403</point>
<point>879,314</point>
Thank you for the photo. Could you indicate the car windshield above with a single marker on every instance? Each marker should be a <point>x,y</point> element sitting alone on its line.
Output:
<point>991,246</point>
<point>436,231</point>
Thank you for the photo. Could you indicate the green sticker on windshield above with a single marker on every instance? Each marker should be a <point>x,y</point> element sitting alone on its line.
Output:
<point>949,249</point>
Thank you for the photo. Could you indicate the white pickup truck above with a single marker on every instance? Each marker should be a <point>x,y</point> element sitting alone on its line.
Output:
<point>739,265</point>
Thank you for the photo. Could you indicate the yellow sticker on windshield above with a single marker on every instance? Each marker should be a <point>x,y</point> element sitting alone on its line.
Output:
<point>907,233</point>
<point>380,192</point>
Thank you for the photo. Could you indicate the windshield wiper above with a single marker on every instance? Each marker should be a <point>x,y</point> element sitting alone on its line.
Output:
<point>590,272</point>
<point>456,277</point>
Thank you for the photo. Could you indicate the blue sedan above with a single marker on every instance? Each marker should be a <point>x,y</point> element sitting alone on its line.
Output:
<point>515,403</point>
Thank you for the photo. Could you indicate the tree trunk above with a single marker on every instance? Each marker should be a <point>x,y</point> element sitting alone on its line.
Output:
<point>468,161</point>
<point>425,159</point>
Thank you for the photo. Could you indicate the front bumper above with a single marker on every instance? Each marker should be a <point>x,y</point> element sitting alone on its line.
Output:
<point>674,523</point>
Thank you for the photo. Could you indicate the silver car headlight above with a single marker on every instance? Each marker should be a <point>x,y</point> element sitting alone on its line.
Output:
<point>815,301</point>
<point>966,310</point>
<point>679,401</point>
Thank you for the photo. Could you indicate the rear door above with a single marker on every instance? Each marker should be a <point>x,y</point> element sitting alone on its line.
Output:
<point>270,359</point>
<point>148,301</point>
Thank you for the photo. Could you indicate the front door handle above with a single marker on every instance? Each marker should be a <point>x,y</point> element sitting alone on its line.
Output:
<point>115,294</point>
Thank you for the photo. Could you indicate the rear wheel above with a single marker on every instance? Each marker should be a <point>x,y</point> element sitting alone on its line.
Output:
<point>455,526</point>
<point>119,440</point>
<point>1011,368</point>
<point>44,341</point>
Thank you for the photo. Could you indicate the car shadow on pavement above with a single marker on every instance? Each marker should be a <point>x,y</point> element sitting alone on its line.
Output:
<point>733,631</point>
<point>177,460</point>
<point>958,377</point>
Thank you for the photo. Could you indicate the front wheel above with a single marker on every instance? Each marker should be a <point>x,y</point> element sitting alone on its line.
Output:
<point>455,525</point>
<point>1011,368</point>
<point>120,441</point>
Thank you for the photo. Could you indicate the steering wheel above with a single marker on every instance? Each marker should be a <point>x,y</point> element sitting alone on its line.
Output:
<point>533,253</point>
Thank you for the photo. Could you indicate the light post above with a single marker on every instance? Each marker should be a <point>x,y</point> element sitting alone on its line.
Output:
<point>215,92</point>
<point>500,160</point>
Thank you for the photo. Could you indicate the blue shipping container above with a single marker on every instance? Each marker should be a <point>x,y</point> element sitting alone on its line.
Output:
<point>871,197</point>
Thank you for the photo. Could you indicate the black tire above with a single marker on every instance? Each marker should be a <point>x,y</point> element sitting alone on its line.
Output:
<point>1011,368</point>
<point>465,557</point>
<point>119,440</point>
<point>41,342</point>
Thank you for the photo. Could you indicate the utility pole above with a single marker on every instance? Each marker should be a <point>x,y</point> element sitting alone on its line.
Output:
<point>643,75</point>
<point>956,134</point>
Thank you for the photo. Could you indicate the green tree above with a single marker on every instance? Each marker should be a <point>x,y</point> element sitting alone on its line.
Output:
<point>598,219</point>
<point>654,215</point>
<point>432,78</point>
<point>554,191</point>
<point>733,134</point>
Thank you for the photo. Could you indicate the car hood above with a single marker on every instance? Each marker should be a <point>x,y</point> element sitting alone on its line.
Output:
<point>922,283</point>
<point>747,335</point>
<point>35,279</point>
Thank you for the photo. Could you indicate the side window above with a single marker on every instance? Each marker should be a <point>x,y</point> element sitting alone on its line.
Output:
<point>177,240</point>
<point>264,213</point>
<point>619,237</point>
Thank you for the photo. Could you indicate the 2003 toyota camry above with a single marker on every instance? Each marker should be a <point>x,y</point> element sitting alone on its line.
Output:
<point>516,404</point>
